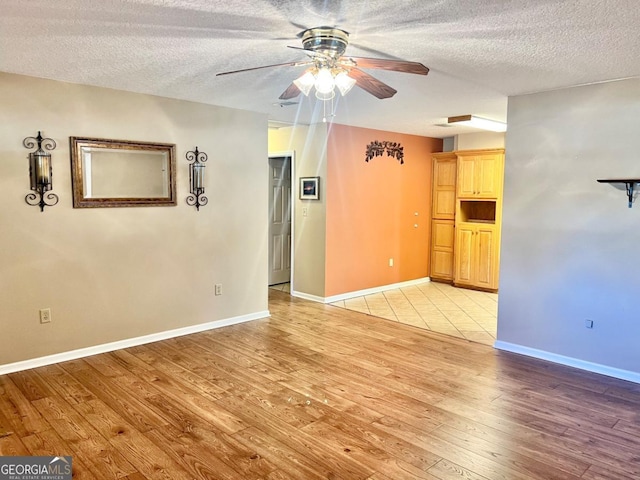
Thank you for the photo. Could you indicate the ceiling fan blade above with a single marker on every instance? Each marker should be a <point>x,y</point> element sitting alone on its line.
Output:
<point>311,53</point>
<point>394,65</point>
<point>372,85</point>
<point>291,92</point>
<point>289,64</point>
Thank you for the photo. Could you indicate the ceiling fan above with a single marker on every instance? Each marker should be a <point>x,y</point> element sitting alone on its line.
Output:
<point>330,69</point>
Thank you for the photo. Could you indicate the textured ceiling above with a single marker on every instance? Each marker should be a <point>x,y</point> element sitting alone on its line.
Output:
<point>479,52</point>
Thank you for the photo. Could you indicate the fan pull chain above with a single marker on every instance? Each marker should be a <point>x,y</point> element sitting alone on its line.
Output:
<point>324,110</point>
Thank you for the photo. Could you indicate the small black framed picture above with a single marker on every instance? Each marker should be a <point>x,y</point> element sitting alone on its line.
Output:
<point>309,188</point>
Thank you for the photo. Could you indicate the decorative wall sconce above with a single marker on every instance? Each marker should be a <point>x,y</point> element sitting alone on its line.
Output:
<point>393,149</point>
<point>196,178</point>
<point>40,172</point>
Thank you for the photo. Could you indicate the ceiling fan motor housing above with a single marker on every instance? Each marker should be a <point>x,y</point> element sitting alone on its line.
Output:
<point>325,40</point>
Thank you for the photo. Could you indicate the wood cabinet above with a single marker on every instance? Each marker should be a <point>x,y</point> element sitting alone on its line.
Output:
<point>443,210</point>
<point>476,255</point>
<point>480,174</point>
<point>478,217</point>
<point>466,216</point>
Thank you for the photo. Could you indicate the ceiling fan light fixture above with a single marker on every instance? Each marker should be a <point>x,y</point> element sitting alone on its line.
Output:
<point>324,81</point>
<point>305,82</point>
<point>325,46</point>
<point>325,95</point>
<point>478,122</point>
<point>344,82</point>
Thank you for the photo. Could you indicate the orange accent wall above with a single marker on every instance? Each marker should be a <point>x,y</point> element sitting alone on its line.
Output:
<point>371,210</point>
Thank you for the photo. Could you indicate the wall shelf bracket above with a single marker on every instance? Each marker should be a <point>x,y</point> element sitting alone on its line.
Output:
<point>628,182</point>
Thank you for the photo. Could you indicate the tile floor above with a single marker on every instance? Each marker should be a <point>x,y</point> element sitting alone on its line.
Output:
<point>439,307</point>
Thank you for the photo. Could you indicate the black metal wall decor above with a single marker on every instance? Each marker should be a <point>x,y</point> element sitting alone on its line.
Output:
<point>40,172</point>
<point>393,149</point>
<point>196,161</point>
<point>629,184</point>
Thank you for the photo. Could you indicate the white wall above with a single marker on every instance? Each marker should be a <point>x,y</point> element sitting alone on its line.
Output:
<point>570,245</point>
<point>110,274</point>
<point>310,146</point>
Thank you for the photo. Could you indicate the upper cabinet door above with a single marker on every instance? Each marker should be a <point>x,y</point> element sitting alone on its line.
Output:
<point>444,186</point>
<point>489,175</point>
<point>444,204</point>
<point>444,172</point>
<point>467,166</point>
<point>480,174</point>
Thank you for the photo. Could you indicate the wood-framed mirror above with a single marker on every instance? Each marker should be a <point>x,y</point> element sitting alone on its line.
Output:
<point>122,173</point>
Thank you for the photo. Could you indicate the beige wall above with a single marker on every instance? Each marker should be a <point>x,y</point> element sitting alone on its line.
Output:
<point>479,140</point>
<point>309,144</point>
<point>570,244</point>
<point>116,273</point>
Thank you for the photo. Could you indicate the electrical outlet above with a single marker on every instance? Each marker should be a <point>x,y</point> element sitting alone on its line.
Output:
<point>218,289</point>
<point>45,315</point>
<point>588,323</point>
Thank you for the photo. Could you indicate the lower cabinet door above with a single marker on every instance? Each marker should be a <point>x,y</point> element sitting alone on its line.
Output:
<point>464,256</point>
<point>475,256</point>
<point>485,261</point>
<point>442,238</point>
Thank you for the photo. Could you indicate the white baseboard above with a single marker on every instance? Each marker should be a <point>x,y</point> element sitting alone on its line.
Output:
<point>569,361</point>
<point>307,296</point>
<point>360,293</point>
<point>130,342</point>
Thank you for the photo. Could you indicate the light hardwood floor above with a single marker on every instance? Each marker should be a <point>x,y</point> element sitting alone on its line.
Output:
<point>317,391</point>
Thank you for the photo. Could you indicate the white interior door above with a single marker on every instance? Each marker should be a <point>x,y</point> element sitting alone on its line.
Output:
<point>280,220</point>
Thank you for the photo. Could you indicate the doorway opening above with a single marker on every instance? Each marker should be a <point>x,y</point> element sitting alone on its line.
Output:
<point>280,219</point>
